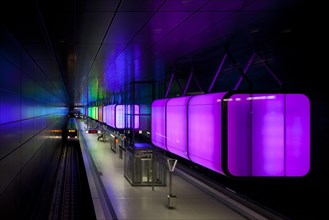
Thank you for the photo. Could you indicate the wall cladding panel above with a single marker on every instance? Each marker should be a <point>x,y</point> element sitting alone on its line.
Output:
<point>27,151</point>
<point>28,113</point>
<point>9,47</point>
<point>28,87</point>
<point>10,76</point>
<point>10,138</point>
<point>9,169</point>
<point>27,105</point>
<point>10,107</point>
<point>26,130</point>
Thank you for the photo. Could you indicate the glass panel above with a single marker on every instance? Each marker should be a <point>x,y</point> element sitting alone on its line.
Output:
<point>204,130</point>
<point>176,129</point>
<point>239,136</point>
<point>158,126</point>
<point>123,116</point>
<point>268,135</point>
<point>297,135</point>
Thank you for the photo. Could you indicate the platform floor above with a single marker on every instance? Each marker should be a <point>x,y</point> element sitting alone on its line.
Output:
<point>115,198</point>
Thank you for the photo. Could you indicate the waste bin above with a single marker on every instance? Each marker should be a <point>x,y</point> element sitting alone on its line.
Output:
<point>172,201</point>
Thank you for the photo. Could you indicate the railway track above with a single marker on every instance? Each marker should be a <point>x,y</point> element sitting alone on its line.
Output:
<point>71,198</point>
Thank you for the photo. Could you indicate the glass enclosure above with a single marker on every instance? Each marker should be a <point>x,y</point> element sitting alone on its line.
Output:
<point>143,167</point>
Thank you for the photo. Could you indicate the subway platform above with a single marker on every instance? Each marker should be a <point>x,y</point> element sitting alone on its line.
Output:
<point>115,198</point>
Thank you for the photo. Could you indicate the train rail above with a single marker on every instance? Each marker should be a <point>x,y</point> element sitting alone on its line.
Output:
<point>72,199</point>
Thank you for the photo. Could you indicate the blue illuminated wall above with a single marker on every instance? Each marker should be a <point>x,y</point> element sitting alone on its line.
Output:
<point>31,119</point>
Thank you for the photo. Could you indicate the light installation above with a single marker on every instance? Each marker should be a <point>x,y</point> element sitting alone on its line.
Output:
<point>237,134</point>
<point>105,114</point>
<point>116,116</point>
<point>158,123</point>
<point>123,114</point>
<point>176,122</point>
<point>204,130</point>
<point>100,113</point>
<point>111,115</point>
<point>268,135</point>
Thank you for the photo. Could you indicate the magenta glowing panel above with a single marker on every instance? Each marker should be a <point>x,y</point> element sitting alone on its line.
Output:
<point>239,132</point>
<point>119,116</point>
<point>110,115</point>
<point>298,138</point>
<point>176,126</point>
<point>205,129</point>
<point>104,114</point>
<point>123,113</point>
<point>158,123</point>
<point>268,135</point>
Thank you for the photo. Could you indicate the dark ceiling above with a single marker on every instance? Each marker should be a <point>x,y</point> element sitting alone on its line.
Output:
<point>90,49</point>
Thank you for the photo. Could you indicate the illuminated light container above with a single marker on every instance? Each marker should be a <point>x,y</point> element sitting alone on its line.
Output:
<point>100,113</point>
<point>96,113</point>
<point>136,112</point>
<point>111,115</point>
<point>93,112</point>
<point>298,139</point>
<point>237,134</point>
<point>176,126</point>
<point>121,116</point>
<point>114,115</point>
<point>158,123</point>
<point>104,114</point>
<point>268,135</point>
<point>204,130</point>
<point>89,112</point>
